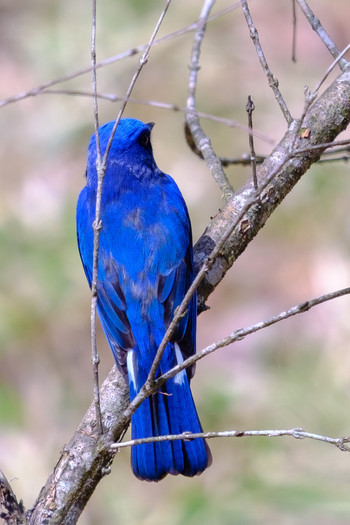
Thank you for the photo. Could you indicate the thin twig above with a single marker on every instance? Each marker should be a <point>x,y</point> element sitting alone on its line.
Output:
<point>101,171</point>
<point>294,37</point>
<point>321,32</point>
<point>95,359</point>
<point>192,126</point>
<point>338,158</point>
<point>297,433</point>
<point>244,160</point>
<point>250,108</point>
<point>143,61</point>
<point>236,335</point>
<point>339,154</point>
<point>324,145</point>
<point>331,67</point>
<point>162,105</point>
<point>273,82</point>
<point>329,155</point>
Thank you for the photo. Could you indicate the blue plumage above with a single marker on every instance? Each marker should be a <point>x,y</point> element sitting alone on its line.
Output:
<point>145,268</point>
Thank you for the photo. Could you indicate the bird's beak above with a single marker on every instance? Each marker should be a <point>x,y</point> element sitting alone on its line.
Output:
<point>150,125</point>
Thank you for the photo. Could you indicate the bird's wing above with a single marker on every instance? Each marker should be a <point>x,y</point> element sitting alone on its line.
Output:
<point>172,289</point>
<point>111,303</point>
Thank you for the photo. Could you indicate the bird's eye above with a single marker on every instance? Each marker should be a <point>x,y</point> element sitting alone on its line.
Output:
<point>144,139</point>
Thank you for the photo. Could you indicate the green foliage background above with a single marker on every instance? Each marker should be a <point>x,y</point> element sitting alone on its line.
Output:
<point>294,374</point>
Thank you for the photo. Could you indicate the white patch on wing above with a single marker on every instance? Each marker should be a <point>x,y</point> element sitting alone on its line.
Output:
<point>131,368</point>
<point>180,377</point>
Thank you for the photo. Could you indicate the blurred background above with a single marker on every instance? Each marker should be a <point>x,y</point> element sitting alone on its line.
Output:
<point>294,374</point>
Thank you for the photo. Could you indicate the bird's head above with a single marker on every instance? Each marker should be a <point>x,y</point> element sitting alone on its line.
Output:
<point>131,143</point>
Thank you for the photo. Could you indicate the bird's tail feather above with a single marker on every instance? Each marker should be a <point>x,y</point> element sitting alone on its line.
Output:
<point>169,411</point>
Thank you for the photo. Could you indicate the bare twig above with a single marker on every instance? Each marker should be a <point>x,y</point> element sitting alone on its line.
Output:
<point>101,170</point>
<point>297,433</point>
<point>331,67</point>
<point>294,37</point>
<point>273,82</point>
<point>244,160</point>
<point>193,128</point>
<point>328,155</point>
<point>162,105</point>
<point>95,359</point>
<point>323,146</point>
<point>336,158</point>
<point>322,33</point>
<point>250,108</point>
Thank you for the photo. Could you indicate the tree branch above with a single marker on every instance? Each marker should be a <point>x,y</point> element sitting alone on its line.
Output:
<point>13,511</point>
<point>85,460</point>
<point>297,433</point>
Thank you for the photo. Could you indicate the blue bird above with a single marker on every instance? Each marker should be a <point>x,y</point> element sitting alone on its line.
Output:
<point>145,267</point>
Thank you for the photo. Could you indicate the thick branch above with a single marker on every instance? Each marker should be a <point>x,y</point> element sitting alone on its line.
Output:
<point>12,511</point>
<point>85,460</point>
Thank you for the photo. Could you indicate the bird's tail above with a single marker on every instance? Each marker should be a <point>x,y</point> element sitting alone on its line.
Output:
<point>170,411</point>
